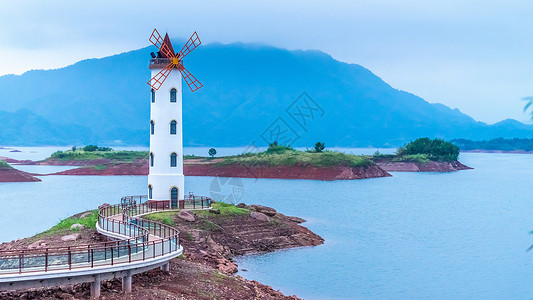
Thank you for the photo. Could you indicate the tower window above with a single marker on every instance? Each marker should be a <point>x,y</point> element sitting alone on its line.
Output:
<point>153,96</point>
<point>149,191</point>
<point>173,95</point>
<point>151,159</point>
<point>173,127</point>
<point>173,159</point>
<point>152,126</point>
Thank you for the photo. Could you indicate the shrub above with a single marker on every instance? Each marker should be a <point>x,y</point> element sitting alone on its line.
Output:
<point>436,149</point>
<point>319,147</point>
<point>275,148</point>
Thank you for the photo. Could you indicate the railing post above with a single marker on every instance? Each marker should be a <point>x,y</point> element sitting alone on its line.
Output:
<point>21,257</point>
<point>111,255</point>
<point>92,258</point>
<point>46,261</point>
<point>129,252</point>
<point>69,259</point>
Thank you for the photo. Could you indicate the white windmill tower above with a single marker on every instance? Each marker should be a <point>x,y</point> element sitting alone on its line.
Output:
<point>165,178</point>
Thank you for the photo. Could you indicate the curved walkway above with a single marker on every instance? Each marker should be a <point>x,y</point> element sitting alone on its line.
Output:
<point>137,245</point>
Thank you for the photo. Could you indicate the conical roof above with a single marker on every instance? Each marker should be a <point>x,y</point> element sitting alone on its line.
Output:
<point>166,41</point>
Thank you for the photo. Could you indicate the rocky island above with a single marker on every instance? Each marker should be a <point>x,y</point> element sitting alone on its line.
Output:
<point>210,238</point>
<point>422,155</point>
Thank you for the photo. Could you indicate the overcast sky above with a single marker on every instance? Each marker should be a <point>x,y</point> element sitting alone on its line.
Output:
<point>473,55</point>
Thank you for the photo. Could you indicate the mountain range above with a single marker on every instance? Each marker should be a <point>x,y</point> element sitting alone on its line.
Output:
<point>252,94</point>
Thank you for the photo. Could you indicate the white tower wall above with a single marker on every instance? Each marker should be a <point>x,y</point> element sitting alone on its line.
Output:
<point>162,177</point>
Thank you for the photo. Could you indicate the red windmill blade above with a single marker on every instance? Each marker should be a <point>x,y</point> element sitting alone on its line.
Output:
<point>160,77</point>
<point>166,56</point>
<point>192,43</point>
<point>161,44</point>
<point>192,82</point>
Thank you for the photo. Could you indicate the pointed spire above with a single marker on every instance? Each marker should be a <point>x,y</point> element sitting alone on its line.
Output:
<point>166,41</point>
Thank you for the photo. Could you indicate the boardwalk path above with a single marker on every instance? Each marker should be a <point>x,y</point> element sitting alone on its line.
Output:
<point>137,245</point>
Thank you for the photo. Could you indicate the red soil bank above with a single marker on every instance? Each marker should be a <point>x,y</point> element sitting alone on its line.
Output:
<point>9,174</point>
<point>286,172</point>
<point>281,172</point>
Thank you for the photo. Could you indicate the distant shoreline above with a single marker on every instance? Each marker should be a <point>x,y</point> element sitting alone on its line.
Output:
<point>498,151</point>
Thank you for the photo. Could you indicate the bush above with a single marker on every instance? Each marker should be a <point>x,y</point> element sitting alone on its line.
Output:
<point>92,148</point>
<point>436,149</point>
<point>319,147</point>
<point>275,148</point>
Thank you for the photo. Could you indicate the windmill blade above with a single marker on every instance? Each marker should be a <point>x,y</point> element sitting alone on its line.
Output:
<point>192,43</point>
<point>157,40</point>
<point>191,81</point>
<point>160,77</point>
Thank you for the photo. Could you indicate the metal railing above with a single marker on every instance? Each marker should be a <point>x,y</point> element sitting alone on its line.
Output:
<point>142,239</point>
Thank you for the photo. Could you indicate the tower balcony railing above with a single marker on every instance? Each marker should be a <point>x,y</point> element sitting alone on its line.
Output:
<point>145,205</point>
<point>159,63</point>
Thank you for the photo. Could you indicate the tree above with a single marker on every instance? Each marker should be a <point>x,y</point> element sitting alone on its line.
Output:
<point>319,147</point>
<point>90,148</point>
<point>212,152</point>
<point>74,148</point>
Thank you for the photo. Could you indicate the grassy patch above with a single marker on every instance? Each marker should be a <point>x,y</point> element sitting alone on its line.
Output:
<point>224,208</point>
<point>100,167</point>
<point>229,209</point>
<point>166,217</point>
<point>290,157</point>
<point>219,277</point>
<point>4,165</point>
<point>118,156</point>
<point>64,225</point>
<point>194,157</point>
<point>420,158</point>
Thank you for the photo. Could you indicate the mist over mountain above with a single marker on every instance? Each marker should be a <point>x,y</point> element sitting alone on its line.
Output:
<point>250,91</point>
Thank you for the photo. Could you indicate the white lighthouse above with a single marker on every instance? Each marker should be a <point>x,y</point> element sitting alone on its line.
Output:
<point>165,178</point>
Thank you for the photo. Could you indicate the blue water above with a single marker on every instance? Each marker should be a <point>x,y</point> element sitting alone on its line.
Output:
<point>459,235</point>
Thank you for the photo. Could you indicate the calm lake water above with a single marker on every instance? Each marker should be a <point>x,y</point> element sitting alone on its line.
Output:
<point>458,235</point>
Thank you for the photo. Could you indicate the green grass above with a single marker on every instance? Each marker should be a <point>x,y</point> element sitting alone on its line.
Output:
<point>64,225</point>
<point>194,157</point>
<point>100,167</point>
<point>119,156</point>
<point>290,157</point>
<point>420,158</point>
<point>166,217</point>
<point>224,208</point>
<point>4,165</point>
<point>229,209</point>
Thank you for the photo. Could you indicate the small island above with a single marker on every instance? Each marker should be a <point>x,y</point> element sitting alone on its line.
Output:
<point>422,155</point>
